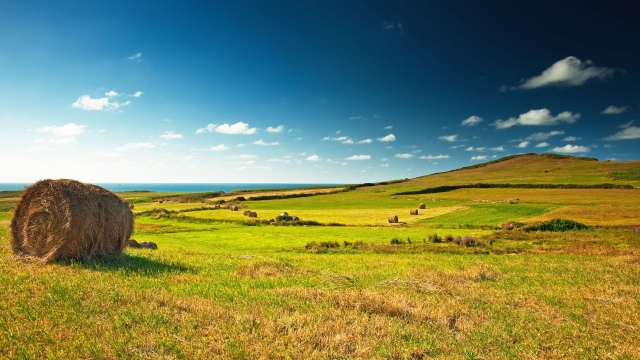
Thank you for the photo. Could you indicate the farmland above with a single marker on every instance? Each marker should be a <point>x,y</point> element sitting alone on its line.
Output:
<point>345,283</point>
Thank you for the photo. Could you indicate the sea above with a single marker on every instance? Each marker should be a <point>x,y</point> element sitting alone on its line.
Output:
<point>179,187</point>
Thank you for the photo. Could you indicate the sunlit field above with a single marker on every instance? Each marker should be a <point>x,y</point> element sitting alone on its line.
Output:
<point>343,282</point>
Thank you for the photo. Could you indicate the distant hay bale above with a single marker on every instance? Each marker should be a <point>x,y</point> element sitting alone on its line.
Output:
<point>133,244</point>
<point>413,212</point>
<point>422,206</point>
<point>246,212</point>
<point>393,219</point>
<point>69,220</point>
<point>233,208</point>
<point>149,245</point>
<point>295,218</point>
<point>252,214</point>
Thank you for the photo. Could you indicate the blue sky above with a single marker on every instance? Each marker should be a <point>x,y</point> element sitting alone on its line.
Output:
<point>310,92</point>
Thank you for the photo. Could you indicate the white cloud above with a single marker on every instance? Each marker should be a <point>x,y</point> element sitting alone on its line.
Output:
<point>612,110</point>
<point>240,168</point>
<point>235,129</point>
<point>313,158</point>
<point>571,138</point>
<point>170,135</point>
<point>112,93</point>
<point>260,142</point>
<point>497,148</point>
<point>132,146</point>
<point>387,164</point>
<point>540,136</point>
<point>542,144</point>
<point>569,71</point>
<point>240,145</point>
<point>277,129</point>
<point>479,157</point>
<point>377,116</point>
<point>404,156</point>
<point>570,149</point>
<point>61,141</point>
<point>537,118</point>
<point>523,144</point>
<point>102,130</point>
<point>450,138</point>
<point>388,127</point>
<point>137,94</point>
<point>387,138</point>
<point>471,148</point>
<point>137,56</point>
<point>65,130</point>
<point>365,141</point>
<point>85,102</point>
<point>243,157</point>
<point>348,141</point>
<point>359,157</point>
<point>356,118</point>
<point>472,121</point>
<point>220,147</point>
<point>628,132</point>
<point>101,154</point>
<point>431,157</point>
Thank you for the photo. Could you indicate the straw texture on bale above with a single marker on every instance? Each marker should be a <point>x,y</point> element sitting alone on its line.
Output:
<point>422,206</point>
<point>393,219</point>
<point>69,220</point>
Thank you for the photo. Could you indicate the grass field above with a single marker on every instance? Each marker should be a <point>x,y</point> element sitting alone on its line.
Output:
<point>224,286</point>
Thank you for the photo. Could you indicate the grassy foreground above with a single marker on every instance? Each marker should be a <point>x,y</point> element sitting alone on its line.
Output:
<point>224,286</point>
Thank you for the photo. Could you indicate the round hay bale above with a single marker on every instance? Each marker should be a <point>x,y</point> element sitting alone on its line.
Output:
<point>422,206</point>
<point>393,219</point>
<point>69,220</point>
<point>233,208</point>
<point>149,245</point>
<point>253,214</point>
<point>246,212</point>
<point>295,218</point>
<point>413,212</point>
<point>133,244</point>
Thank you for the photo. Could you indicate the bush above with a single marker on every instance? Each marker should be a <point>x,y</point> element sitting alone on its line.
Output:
<point>457,240</point>
<point>557,225</point>
<point>512,225</point>
<point>396,241</point>
<point>322,245</point>
<point>448,238</point>
<point>469,241</point>
<point>435,238</point>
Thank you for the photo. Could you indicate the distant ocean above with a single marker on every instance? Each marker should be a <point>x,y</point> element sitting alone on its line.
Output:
<point>180,187</point>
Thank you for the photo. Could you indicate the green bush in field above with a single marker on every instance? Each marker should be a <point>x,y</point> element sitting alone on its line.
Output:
<point>557,225</point>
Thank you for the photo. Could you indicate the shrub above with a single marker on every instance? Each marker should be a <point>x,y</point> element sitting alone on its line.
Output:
<point>457,240</point>
<point>448,238</point>
<point>435,238</point>
<point>470,241</point>
<point>396,241</point>
<point>557,225</point>
<point>322,245</point>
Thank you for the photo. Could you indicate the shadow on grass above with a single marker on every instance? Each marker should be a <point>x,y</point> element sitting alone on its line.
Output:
<point>133,264</point>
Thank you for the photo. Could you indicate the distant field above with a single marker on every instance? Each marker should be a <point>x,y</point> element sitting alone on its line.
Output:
<point>224,286</point>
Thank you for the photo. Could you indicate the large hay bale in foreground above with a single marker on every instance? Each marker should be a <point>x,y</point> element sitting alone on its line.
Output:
<point>69,220</point>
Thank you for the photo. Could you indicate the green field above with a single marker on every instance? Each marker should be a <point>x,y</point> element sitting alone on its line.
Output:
<point>345,283</point>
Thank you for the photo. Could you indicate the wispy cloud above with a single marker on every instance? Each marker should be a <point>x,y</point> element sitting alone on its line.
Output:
<point>85,102</point>
<point>388,127</point>
<point>137,57</point>
<point>542,144</point>
<point>244,157</point>
<point>404,156</point>
<point>537,118</point>
<point>137,94</point>
<point>112,94</point>
<point>313,158</point>
<point>479,157</point>
<point>359,157</point>
<point>450,138</point>
<point>613,110</point>
<point>134,146</point>
<point>432,157</point>
<point>523,144</point>
<point>235,129</point>
<point>260,142</point>
<point>570,149</point>
<point>65,130</point>
<point>277,129</point>
<point>387,138</point>
<point>170,135</point>
<point>571,138</point>
<point>390,25</point>
<point>472,121</point>
<point>569,71</point>
<point>365,141</point>
<point>540,136</point>
<point>220,147</point>
<point>628,132</point>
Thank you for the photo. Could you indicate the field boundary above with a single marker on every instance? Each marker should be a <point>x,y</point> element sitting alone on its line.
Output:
<point>447,188</point>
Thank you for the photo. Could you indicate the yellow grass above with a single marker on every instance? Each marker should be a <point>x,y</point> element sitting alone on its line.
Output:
<point>372,217</point>
<point>603,215</point>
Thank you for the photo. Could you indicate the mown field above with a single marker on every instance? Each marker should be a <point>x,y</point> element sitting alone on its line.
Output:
<point>345,283</point>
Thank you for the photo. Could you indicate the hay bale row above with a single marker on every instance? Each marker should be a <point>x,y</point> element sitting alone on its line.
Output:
<point>69,220</point>
<point>393,219</point>
<point>413,212</point>
<point>422,206</point>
